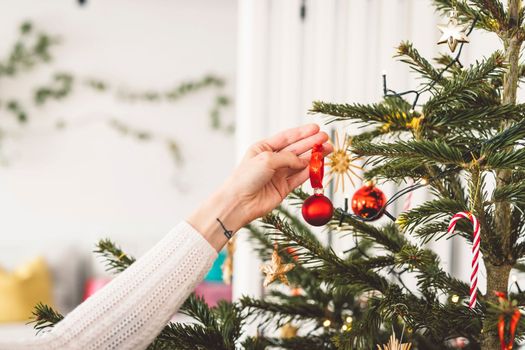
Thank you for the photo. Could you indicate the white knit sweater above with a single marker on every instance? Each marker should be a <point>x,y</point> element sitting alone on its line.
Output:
<point>129,312</point>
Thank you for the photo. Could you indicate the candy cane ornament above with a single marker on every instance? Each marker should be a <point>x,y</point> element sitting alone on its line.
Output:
<point>475,252</point>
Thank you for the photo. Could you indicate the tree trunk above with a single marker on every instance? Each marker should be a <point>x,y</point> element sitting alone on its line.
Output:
<point>498,275</point>
<point>497,280</point>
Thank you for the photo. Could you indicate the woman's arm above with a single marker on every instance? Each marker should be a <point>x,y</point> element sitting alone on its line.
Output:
<point>132,309</point>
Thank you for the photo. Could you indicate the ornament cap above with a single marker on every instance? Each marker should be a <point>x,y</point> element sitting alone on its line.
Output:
<point>370,183</point>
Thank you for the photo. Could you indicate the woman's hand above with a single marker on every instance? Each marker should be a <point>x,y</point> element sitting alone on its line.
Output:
<point>269,171</point>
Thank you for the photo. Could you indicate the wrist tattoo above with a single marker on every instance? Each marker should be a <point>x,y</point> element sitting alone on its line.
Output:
<point>227,233</point>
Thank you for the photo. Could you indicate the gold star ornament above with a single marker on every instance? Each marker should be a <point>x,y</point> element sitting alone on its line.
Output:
<point>276,269</point>
<point>288,331</point>
<point>341,164</point>
<point>453,32</point>
<point>395,344</point>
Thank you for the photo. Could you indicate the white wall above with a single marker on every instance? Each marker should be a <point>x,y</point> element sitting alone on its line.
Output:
<point>73,187</point>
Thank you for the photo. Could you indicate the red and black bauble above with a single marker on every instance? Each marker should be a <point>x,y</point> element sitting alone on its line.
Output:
<point>368,202</point>
<point>317,209</point>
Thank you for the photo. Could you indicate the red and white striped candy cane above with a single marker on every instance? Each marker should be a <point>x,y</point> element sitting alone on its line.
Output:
<point>475,252</point>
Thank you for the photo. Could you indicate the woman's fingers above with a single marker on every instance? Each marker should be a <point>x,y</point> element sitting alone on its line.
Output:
<point>298,179</point>
<point>281,140</point>
<point>283,159</point>
<point>327,149</point>
<point>307,143</point>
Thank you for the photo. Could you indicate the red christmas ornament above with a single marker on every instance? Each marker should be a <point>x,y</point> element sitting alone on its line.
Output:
<point>317,209</point>
<point>512,313</point>
<point>368,201</point>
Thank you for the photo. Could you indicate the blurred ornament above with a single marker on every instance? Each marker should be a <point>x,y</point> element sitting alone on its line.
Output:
<point>317,209</point>
<point>296,291</point>
<point>509,312</point>
<point>227,266</point>
<point>340,162</point>
<point>291,251</point>
<point>395,344</point>
<point>368,201</point>
<point>276,269</point>
<point>457,343</point>
<point>453,32</point>
<point>288,331</point>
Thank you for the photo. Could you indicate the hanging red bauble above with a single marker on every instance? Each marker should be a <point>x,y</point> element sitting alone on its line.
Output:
<point>368,201</point>
<point>317,210</point>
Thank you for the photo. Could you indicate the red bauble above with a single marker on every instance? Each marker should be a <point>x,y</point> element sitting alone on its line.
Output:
<point>368,201</point>
<point>317,210</point>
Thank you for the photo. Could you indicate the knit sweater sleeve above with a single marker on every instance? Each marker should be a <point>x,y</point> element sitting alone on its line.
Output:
<point>130,311</point>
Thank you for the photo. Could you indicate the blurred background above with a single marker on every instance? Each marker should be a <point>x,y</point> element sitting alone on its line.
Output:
<point>117,118</point>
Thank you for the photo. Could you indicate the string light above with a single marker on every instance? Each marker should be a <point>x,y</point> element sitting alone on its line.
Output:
<point>515,281</point>
<point>455,298</point>
<point>327,323</point>
<point>349,319</point>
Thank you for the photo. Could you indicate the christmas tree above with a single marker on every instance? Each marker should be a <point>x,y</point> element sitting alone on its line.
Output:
<point>459,135</point>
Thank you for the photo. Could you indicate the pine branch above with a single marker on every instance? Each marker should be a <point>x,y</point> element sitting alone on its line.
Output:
<point>431,210</point>
<point>409,55</point>
<point>115,258</point>
<point>426,152</point>
<point>472,118</point>
<point>393,111</point>
<point>309,251</point>
<point>511,160</point>
<point>468,88</point>
<point>191,337</point>
<point>45,317</point>
<point>513,193</point>
<point>322,341</point>
<point>507,138</point>
<point>255,343</point>
<point>219,327</point>
<point>387,236</point>
<point>397,170</point>
<point>197,308</point>
<point>325,261</point>
<point>468,12</point>
<point>279,313</point>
